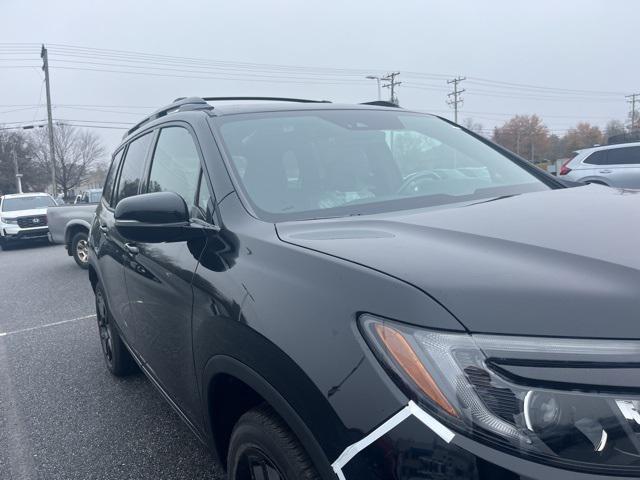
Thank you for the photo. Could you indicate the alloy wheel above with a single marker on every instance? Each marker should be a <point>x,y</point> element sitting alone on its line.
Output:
<point>104,327</point>
<point>82,250</point>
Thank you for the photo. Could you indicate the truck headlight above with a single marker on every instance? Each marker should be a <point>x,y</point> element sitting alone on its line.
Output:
<point>12,221</point>
<point>568,402</point>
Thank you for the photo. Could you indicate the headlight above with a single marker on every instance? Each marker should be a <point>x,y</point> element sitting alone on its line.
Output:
<point>571,403</point>
<point>13,221</point>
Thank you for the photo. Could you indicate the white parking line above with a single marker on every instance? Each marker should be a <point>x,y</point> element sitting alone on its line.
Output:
<point>23,330</point>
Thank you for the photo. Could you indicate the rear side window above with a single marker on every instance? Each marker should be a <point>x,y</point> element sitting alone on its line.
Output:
<point>597,158</point>
<point>624,156</point>
<point>107,190</point>
<point>133,167</point>
<point>176,164</point>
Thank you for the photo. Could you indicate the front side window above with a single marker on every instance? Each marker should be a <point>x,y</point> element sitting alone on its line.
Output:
<point>133,167</point>
<point>314,164</point>
<point>176,164</point>
<point>107,189</point>
<point>27,203</point>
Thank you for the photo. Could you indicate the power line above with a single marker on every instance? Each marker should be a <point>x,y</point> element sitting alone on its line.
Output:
<point>141,57</point>
<point>454,99</point>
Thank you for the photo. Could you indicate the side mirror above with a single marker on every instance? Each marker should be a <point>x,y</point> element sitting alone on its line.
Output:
<point>157,217</point>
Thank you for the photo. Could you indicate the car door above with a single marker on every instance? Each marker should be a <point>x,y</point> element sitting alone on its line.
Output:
<point>111,248</point>
<point>159,275</point>
<point>625,167</point>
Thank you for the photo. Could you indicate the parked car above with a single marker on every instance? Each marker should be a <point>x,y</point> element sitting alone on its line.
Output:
<point>23,217</point>
<point>69,225</point>
<point>89,196</point>
<point>317,300</point>
<point>612,165</point>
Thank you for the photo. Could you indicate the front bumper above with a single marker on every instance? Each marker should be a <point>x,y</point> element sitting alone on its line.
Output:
<point>412,451</point>
<point>12,233</point>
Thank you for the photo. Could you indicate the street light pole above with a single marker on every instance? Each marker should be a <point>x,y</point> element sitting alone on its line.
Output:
<point>377,79</point>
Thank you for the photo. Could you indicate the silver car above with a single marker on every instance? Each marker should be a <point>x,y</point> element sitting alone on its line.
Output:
<point>613,165</point>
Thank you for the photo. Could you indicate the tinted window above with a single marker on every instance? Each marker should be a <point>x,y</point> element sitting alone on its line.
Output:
<point>597,158</point>
<point>26,203</point>
<point>132,169</point>
<point>176,164</point>
<point>347,162</point>
<point>624,156</point>
<point>107,190</point>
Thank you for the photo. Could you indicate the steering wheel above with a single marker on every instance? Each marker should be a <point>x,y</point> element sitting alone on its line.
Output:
<point>417,177</point>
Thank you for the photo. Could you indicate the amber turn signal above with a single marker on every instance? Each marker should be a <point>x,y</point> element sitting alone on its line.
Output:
<point>406,358</point>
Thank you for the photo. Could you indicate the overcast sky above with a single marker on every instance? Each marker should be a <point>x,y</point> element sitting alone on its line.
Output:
<point>578,45</point>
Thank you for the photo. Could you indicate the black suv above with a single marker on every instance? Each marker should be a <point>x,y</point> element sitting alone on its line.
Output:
<point>366,292</point>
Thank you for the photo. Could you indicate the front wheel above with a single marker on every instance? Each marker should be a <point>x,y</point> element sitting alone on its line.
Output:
<point>118,359</point>
<point>262,446</point>
<point>80,249</point>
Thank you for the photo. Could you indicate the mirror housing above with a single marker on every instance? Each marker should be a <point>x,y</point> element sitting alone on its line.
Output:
<point>157,217</point>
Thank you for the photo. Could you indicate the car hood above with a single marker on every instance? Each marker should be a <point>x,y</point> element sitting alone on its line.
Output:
<point>25,213</point>
<point>555,263</point>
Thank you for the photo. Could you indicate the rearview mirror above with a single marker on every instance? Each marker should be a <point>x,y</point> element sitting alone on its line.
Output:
<point>157,217</point>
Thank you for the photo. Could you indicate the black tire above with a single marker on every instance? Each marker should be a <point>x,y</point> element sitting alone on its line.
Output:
<point>4,244</point>
<point>261,440</point>
<point>80,249</point>
<point>116,356</point>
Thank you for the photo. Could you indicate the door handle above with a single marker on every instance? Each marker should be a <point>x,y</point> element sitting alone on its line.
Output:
<point>104,229</point>
<point>605,171</point>
<point>131,248</point>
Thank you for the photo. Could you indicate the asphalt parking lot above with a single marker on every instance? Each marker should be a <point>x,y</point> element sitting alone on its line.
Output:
<point>62,415</point>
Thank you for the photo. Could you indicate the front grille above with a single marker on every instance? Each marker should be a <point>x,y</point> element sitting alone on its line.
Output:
<point>32,221</point>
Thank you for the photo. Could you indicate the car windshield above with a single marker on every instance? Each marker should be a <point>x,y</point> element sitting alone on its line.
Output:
<point>325,163</point>
<point>27,203</point>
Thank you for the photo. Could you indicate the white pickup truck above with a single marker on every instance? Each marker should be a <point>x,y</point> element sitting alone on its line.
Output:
<point>23,217</point>
<point>70,224</point>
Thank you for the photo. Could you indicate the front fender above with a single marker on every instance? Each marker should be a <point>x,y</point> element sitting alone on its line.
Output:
<point>72,225</point>
<point>227,365</point>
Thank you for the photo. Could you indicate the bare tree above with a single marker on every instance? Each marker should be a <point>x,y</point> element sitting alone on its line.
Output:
<point>17,150</point>
<point>470,124</point>
<point>77,152</point>
<point>614,127</point>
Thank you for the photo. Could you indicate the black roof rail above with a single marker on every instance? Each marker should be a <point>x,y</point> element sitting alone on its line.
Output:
<point>182,103</point>
<point>381,103</point>
<point>271,99</point>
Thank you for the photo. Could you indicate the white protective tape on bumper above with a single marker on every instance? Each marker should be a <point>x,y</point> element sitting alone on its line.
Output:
<point>411,409</point>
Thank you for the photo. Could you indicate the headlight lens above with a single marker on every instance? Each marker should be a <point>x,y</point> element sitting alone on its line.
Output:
<point>13,221</point>
<point>560,401</point>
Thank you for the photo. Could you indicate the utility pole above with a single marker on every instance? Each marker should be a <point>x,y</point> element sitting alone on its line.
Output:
<point>633,98</point>
<point>392,84</point>
<point>17,173</point>
<point>45,66</point>
<point>455,98</point>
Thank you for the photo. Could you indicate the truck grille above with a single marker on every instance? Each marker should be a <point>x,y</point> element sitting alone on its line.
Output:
<point>33,221</point>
